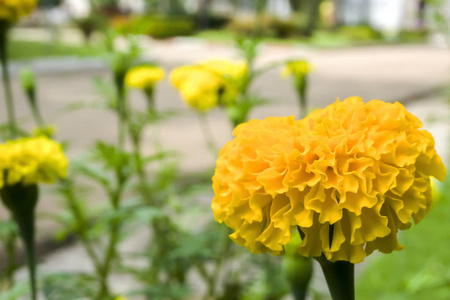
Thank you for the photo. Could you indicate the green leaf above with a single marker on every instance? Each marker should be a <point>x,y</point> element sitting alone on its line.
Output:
<point>94,172</point>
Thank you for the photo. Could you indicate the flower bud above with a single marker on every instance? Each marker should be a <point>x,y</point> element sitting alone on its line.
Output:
<point>28,82</point>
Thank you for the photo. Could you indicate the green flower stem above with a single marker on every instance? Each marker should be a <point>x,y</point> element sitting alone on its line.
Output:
<point>222,257</point>
<point>138,159</point>
<point>82,223</point>
<point>111,251</point>
<point>207,134</point>
<point>10,247</point>
<point>116,195</point>
<point>340,277</point>
<point>301,85</point>
<point>21,201</point>
<point>150,96</point>
<point>35,109</point>
<point>4,26</point>
<point>153,115</point>
<point>119,78</point>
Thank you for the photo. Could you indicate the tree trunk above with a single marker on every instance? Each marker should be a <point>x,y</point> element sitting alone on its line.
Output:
<point>259,20</point>
<point>175,8</point>
<point>313,16</point>
<point>203,13</point>
<point>296,5</point>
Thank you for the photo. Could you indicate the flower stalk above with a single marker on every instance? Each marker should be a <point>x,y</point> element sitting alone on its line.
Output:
<point>340,277</point>
<point>301,83</point>
<point>4,27</point>
<point>119,68</point>
<point>150,97</point>
<point>29,87</point>
<point>10,249</point>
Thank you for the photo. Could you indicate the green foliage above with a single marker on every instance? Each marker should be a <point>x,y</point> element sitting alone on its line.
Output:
<point>415,272</point>
<point>29,50</point>
<point>245,25</point>
<point>159,26</point>
<point>360,33</point>
<point>270,280</point>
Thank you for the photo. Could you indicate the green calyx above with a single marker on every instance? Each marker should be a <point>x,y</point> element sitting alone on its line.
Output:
<point>21,201</point>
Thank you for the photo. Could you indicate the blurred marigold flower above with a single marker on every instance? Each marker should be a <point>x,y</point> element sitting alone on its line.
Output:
<point>12,10</point>
<point>208,84</point>
<point>144,77</point>
<point>296,68</point>
<point>31,160</point>
<point>348,177</point>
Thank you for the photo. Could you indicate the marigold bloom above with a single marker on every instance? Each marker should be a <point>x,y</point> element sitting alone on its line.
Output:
<point>144,77</point>
<point>233,72</point>
<point>31,160</point>
<point>12,10</point>
<point>208,84</point>
<point>348,176</point>
<point>297,68</point>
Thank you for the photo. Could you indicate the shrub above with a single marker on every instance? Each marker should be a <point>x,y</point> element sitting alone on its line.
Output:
<point>360,33</point>
<point>159,26</point>
<point>245,25</point>
<point>284,28</point>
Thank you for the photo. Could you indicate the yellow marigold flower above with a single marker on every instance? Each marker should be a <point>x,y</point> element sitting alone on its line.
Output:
<point>208,84</point>
<point>32,160</point>
<point>12,10</point>
<point>348,177</point>
<point>144,77</point>
<point>198,87</point>
<point>233,71</point>
<point>296,68</point>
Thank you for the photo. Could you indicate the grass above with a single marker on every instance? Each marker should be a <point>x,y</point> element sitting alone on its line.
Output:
<point>223,35</point>
<point>24,50</point>
<point>420,271</point>
<point>320,39</point>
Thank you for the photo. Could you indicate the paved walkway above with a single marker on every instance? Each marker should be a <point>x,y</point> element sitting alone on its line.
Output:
<point>388,73</point>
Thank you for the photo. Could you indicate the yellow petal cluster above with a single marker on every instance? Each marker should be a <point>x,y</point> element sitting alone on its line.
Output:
<point>297,68</point>
<point>12,10</point>
<point>349,177</point>
<point>31,160</point>
<point>208,84</point>
<point>144,77</point>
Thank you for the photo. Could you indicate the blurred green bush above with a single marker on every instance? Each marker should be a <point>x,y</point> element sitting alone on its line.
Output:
<point>156,26</point>
<point>360,33</point>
